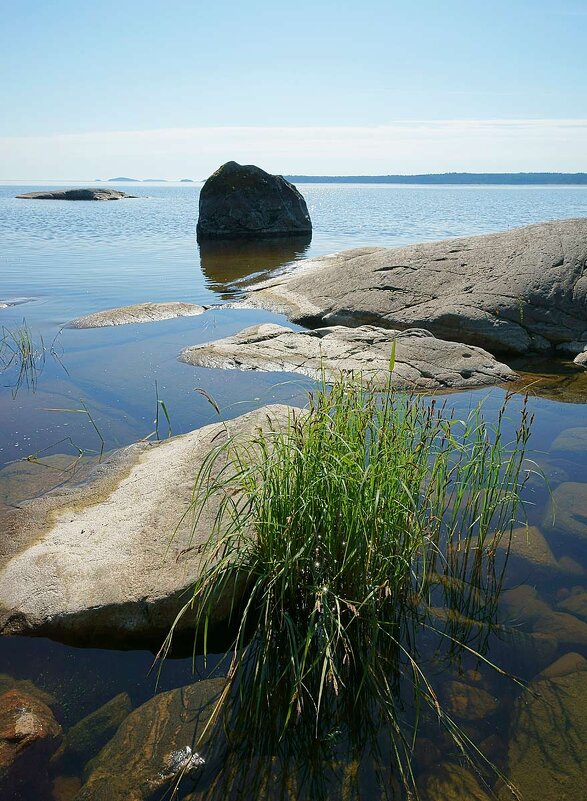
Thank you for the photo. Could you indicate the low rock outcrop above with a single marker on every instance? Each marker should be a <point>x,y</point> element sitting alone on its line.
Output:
<point>515,292</point>
<point>76,194</point>
<point>113,560</point>
<point>243,201</point>
<point>154,746</point>
<point>138,313</point>
<point>421,360</point>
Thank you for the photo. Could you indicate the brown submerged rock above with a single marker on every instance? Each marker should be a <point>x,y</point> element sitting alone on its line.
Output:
<point>421,360</point>
<point>547,758</point>
<point>243,201</point>
<point>153,745</point>
<point>469,703</point>
<point>514,292</point>
<point>83,740</point>
<point>452,782</point>
<point>28,735</point>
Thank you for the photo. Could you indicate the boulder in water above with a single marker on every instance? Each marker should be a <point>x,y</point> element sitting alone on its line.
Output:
<point>244,201</point>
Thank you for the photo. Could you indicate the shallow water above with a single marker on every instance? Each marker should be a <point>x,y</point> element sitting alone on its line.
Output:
<point>72,258</point>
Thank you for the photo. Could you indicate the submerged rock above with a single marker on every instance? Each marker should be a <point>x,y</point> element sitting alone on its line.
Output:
<point>514,292</point>
<point>139,313</point>
<point>469,703</point>
<point>243,201</point>
<point>567,512</point>
<point>524,605</point>
<point>26,687</point>
<point>571,440</point>
<point>576,604</point>
<point>421,360</point>
<point>564,666</point>
<point>114,559</point>
<point>76,194</point>
<point>28,734</point>
<point>153,746</point>
<point>547,758</point>
<point>83,740</point>
<point>452,782</point>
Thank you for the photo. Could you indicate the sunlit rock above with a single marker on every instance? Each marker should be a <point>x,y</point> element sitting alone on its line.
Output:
<point>153,746</point>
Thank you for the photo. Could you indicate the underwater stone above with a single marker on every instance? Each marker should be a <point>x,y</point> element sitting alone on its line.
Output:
<point>153,745</point>
<point>454,782</point>
<point>83,740</point>
<point>547,759</point>
<point>567,512</point>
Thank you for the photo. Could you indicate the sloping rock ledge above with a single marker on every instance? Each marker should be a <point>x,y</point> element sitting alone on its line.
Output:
<point>139,313</point>
<point>521,291</point>
<point>76,194</point>
<point>421,360</point>
<point>112,560</point>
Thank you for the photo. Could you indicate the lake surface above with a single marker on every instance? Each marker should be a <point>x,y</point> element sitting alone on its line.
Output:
<point>72,258</point>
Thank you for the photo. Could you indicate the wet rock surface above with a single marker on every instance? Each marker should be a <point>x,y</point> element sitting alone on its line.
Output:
<point>28,735</point>
<point>547,758</point>
<point>515,292</point>
<point>153,746</point>
<point>139,313</point>
<point>87,736</point>
<point>421,360</point>
<point>243,201</point>
<point>76,194</point>
<point>111,560</point>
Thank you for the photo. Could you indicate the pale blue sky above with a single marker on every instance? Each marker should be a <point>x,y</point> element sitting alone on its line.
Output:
<point>91,67</point>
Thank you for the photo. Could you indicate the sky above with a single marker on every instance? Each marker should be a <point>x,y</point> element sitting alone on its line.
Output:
<point>172,89</point>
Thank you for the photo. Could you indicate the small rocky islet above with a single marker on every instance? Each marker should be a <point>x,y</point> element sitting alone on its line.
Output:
<point>76,567</point>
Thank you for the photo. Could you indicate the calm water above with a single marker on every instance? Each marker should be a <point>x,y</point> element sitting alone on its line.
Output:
<point>70,259</point>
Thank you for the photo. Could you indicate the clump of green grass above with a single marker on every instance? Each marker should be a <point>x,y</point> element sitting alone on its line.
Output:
<point>343,526</point>
<point>24,356</point>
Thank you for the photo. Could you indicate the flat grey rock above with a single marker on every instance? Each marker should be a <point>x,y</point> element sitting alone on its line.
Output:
<point>243,201</point>
<point>76,194</point>
<point>139,313</point>
<point>515,292</point>
<point>111,560</point>
<point>421,360</point>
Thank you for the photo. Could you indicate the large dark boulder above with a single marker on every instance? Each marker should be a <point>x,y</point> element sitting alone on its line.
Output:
<point>243,201</point>
<point>76,194</point>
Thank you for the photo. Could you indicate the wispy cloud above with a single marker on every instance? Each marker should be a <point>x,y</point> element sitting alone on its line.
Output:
<point>401,146</point>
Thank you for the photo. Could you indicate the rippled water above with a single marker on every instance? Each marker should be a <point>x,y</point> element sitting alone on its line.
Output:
<point>72,258</point>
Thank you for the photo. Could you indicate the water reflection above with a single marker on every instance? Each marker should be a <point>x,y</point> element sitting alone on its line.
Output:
<point>230,266</point>
<point>552,380</point>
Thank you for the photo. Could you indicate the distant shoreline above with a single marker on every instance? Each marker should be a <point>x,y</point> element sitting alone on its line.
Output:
<point>495,179</point>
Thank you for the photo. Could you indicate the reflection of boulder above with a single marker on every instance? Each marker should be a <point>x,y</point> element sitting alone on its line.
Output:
<point>555,381</point>
<point>247,202</point>
<point>226,264</point>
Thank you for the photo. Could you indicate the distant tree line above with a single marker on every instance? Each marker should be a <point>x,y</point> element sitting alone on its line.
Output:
<point>515,178</point>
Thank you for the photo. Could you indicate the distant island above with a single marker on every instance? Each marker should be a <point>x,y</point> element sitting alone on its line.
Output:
<point>515,178</point>
<point>186,181</point>
<point>122,178</point>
